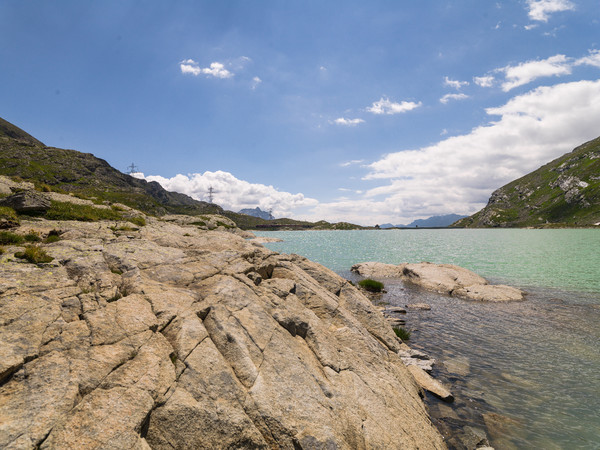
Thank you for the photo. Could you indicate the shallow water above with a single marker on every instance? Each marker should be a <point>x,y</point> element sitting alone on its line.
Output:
<point>535,362</point>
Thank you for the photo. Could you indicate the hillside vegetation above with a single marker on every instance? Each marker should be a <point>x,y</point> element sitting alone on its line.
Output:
<point>22,157</point>
<point>564,192</point>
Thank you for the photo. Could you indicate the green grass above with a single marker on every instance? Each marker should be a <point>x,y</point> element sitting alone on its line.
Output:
<point>9,215</point>
<point>34,254</point>
<point>123,228</point>
<point>85,213</point>
<point>10,238</point>
<point>32,236</point>
<point>53,236</point>
<point>224,225</point>
<point>402,333</point>
<point>139,221</point>
<point>371,285</point>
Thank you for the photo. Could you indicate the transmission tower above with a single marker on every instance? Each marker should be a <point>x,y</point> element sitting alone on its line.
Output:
<point>132,169</point>
<point>211,191</point>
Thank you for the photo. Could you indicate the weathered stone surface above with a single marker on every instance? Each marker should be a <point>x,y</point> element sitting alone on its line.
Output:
<point>264,240</point>
<point>377,270</point>
<point>420,306</point>
<point>443,278</point>
<point>180,337</point>
<point>430,384</point>
<point>26,202</point>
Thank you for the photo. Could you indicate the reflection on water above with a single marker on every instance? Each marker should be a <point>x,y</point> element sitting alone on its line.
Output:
<point>527,373</point>
<point>533,362</point>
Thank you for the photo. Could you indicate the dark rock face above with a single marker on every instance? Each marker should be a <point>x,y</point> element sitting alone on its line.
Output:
<point>27,202</point>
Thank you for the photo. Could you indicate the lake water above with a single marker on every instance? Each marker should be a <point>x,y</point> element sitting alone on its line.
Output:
<point>531,368</point>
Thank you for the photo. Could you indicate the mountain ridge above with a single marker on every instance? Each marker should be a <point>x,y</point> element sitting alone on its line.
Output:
<point>564,192</point>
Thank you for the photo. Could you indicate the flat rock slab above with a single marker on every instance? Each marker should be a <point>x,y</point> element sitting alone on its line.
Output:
<point>430,384</point>
<point>443,278</point>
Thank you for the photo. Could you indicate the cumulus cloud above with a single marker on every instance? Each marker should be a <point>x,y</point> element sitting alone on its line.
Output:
<point>216,69</point>
<point>455,83</point>
<point>348,122</point>
<point>485,81</point>
<point>540,10</point>
<point>233,194</point>
<point>593,59</point>
<point>526,72</point>
<point>446,98</point>
<point>458,174</point>
<point>385,106</point>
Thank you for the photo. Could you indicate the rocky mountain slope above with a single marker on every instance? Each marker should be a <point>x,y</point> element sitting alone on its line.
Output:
<point>564,192</point>
<point>70,171</point>
<point>171,336</point>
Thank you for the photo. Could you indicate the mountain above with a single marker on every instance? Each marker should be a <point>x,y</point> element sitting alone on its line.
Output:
<point>431,222</point>
<point>435,221</point>
<point>564,192</point>
<point>256,212</point>
<point>84,175</point>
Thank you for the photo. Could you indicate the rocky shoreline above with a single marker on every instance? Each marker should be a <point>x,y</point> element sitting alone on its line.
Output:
<point>171,335</point>
<point>442,278</point>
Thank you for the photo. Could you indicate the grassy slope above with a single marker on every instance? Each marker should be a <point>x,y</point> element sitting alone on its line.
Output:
<point>537,199</point>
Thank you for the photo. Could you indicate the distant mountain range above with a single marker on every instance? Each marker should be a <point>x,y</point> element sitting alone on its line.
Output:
<point>256,212</point>
<point>564,192</point>
<point>431,222</point>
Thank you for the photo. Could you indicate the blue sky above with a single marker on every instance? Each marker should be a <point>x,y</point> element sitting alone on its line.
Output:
<point>369,112</point>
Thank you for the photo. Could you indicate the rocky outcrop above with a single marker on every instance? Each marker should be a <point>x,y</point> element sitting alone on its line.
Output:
<point>176,337</point>
<point>26,202</point>
<point>443,278</point>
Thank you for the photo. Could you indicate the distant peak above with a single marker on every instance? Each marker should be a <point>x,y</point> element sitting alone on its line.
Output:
<point>7,129</point>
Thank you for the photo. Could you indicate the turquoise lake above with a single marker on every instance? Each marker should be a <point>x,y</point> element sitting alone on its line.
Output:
<point>535,364</point>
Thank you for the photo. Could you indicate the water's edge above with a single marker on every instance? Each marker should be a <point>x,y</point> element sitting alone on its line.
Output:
<point>525,373</point>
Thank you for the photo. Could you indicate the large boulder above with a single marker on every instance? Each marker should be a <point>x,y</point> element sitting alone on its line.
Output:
<point>443,278</point>
<point>27,202</point>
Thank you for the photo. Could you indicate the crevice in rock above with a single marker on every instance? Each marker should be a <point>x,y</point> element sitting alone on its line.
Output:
<point>39,444</point>
<point>7,375</point>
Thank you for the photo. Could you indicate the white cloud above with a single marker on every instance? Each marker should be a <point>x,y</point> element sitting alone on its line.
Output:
<point>540,10</point>
<point>385,106</point>
<point>446,98</point>
<point>526,72</point>
<point>255,82</point>
<point>455,83</point>
<point>351,163</point>
<point>485,81</point>
<point>234,194</point>
<point>216,69</point>
<point>458,174</point>
<point>348,122</point>
<point>593,59</point>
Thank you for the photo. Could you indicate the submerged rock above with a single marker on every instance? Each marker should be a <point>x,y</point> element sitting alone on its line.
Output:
<point>442,278</point>
<point>430,384</point>
<point>180,337</point>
